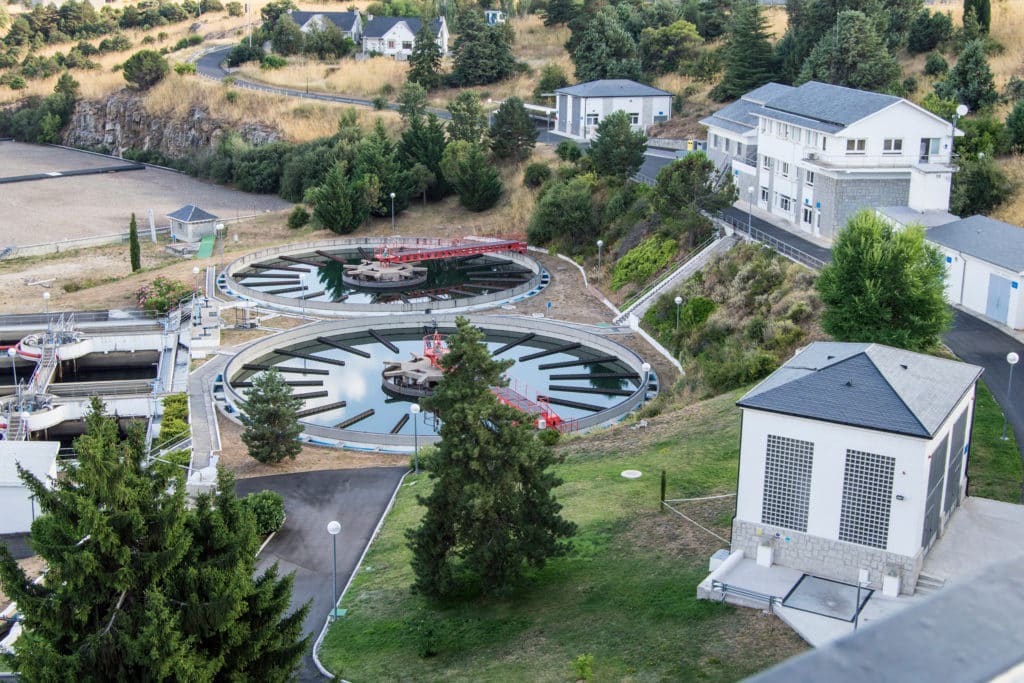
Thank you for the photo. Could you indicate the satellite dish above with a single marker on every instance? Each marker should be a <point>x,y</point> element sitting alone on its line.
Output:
<point>962,109</point>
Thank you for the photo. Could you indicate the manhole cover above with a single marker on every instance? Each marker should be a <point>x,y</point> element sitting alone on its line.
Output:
<point>631,474</point>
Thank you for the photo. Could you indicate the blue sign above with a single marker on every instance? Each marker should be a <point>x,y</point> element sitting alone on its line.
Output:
<point>549,305</point>
<point>949,259</point>
<point>1015,285</point>
<point>817,205</point>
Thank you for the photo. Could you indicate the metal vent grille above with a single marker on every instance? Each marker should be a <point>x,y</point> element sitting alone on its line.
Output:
<point>867,497</point>
<point>787,482</point>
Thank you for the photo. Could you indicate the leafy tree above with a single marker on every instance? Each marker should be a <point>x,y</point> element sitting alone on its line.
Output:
<point>606,50</point>
<point>145,68</point>
<point>1015,125</point>
<point>482,53</point>
<point>327,42</point>
<point>978,187</point>
<point>423,144</point>
<point>853,56</point>
<point>666,49</point>
<point>617,150</point>
<point>425,58</point>
<point>970,81</point>
<point>274,9</point>
<point>928,30</point>
<point>243,52</point>
<point>567,150</point>
<point>983,134</point>
<point>412,101</point>
<point>475,179</point>
<point>513,133</point>
<point>140,587</point>
<point>689,187</point>
<point>564,215</point>
<point>269,416</point>
<point>492,512</point>
<point>884,286</point>
<point>749,61</point>
<point>559,12</point>
<point>286,36</point>
<point>982,11</point>
<point>552,77</point>
<point>468,121</point>
<point>134,252</point>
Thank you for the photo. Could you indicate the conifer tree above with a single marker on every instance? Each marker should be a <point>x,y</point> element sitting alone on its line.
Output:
<point>482,53</point>
<point>423,143</point>
<point>854,55</point>
<point>982,12</point>
<point>513,133</point>
<point>269,415</point>
<point>475,179</point>
<point>425,58</point>
<point>134,251</point>
<point>606,50</point>
<point>468,121</point>
<point>749,60</point>
<point>617,150</point>
<point>559,12</point>
<point>492,512</point>
<point>970,81</point>
<point>377,157</point>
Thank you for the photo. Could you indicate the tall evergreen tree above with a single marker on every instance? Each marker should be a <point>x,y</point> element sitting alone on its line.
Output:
<point>423,143</point>
<point>425,58</point>
<point>492,512</point>
<point>853,56</point>
<point>513,133</point>
<point>475,179</point>
<point>134,251</point>
<point>617,150</point>
<point>482,53</point>
<point>970,81</point>
<point>884,286</point>
<point>269,416</point>
<point>749,60</point>
<point>468,120</point>
<point>690,188</point>
<point>606,50</point>
<point>982,12</point>
<point>377,157</point>
<point>979,186</point>
<point>559,12</point>
<point>412,101</point>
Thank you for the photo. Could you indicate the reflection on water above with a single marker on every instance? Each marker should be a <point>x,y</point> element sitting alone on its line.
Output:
<point>359,381</point>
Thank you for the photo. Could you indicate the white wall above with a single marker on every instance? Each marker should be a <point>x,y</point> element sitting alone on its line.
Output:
<point>906,518</point>
<point>929,191</point>
<point>17,517</point>
<point>967,280</point>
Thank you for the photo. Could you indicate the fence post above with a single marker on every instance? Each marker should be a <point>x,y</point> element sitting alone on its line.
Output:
<point>661,504</point>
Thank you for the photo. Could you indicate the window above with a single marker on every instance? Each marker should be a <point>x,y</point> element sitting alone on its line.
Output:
<point>867,497</point>
<point>764,195</point>
<point>808,215</point>
<point>812,138</point>
<point>406,44</point>
<point>797,133</point>
<point>765,125</point>
<point>634,119</point>
<point>592,119</point>
<point>714,141</point>
<point>817,222</point>
<point>824,143</point>
<point>728,145</point>
<point>766,162</point>
<point>778,128</point>
<point>785,169</point>
<point>787,482</point>
<point>786,131</point>
<point>809,178</point>
<point>892,146</point>
<point>929,148</point>
<point>856,146</point>
<point>785,203</point>
<point>391,45</point>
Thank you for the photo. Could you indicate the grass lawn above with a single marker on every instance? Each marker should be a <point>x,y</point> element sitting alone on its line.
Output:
<point>994,467</point>
<point>626,594</point>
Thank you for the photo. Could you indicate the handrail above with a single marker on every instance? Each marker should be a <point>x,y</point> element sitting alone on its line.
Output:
<point>727,589</point>
<point>787,250</point>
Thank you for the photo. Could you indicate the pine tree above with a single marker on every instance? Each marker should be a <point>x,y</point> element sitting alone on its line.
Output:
<point>854,55</point>
<point>332,201</point>
<point>982,12</point>
<point>617,150</point>
<point>482,53</point>
<point>979,186</point>
<point>970,81</point>
<point>468,121</point>
<point>491,513</point>
<point>134,251</point>
<point>377,157</point>
<point>749,60</point>
<point>475,179</point>
<point>513,133</point>
<point>606,50</point>
<point>423,143</point>
<point>884,286</point>
<point>269,416</point>
<point>559,12</point>
<point>425,58</point>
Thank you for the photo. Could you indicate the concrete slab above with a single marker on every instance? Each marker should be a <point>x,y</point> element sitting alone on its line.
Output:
<point>980,533</point>
<point>775,580</point>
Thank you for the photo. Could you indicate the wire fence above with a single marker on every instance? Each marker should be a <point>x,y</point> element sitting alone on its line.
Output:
<point>787,250</point>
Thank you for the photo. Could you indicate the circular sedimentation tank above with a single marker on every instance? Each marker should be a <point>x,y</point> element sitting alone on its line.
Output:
<point>340,370</point>
<point>384,276</point>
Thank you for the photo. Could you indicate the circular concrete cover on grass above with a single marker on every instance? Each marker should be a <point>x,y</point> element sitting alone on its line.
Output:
<point>631,474</point>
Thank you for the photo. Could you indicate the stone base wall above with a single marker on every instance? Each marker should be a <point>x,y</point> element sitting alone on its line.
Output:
<point>826,558</point>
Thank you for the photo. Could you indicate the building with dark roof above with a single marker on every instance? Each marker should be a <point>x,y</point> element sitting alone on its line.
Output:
<point>853,456</point>
<point>191,224</point>
<point>813,155</point>
<point>350,23</point>
<point>580,108</point>
<point>395,36</point>
<point>984,267</point>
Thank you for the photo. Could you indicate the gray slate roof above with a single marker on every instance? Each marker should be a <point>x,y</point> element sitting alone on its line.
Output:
<point>831,104</point>
<point>378,26</point>
<point>866,385</point>
<point>343,20</point>
<point>191,214</point>
<point>984,238</point>
<point>738,117</point>
<point>767,91</point>
<point>612,87</point>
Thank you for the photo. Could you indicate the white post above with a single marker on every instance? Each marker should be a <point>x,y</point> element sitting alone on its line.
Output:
<point>333,528</point>
<point>1012,359</point>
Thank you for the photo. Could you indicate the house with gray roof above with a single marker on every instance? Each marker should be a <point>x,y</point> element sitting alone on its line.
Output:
<point>853,456</point>
<point>984,267</point>
<point>350,23</point>
<point>580,108</point>
<point>812,156</point>
<point>191,224</point>
<point>395,36</point>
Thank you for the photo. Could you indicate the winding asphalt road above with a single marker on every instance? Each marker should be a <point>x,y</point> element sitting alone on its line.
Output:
<point>357,498</point>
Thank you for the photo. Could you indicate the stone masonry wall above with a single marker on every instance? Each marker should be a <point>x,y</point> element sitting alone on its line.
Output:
<point>837,560</point>
<point>846,196</point>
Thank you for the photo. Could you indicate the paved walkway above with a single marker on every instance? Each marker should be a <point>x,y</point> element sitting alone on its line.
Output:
<point>357,498</point>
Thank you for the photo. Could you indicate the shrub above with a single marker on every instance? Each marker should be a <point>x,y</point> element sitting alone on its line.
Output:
<point>936,65</point>
<point>184,68</point>
<point>231,96</point>
<point>181,44</point>
<point>145,68</point>
<point>13,81</point>
<point>910,85</point>
<point>162,294</point>
<point>568,150</point>
<point>643,261</point>
<point>549,437</point>
<point>298,218</point>
<point>235,9</point>
<point>583,667</point>
<point>380,102</point>
<point>272,62</point>
<point>536,174</point>
<point>267,508</point>
<point>148,40</point>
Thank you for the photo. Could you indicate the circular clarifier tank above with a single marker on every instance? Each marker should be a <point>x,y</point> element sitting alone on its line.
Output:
<point>378,276</point>
<point>570,378</point>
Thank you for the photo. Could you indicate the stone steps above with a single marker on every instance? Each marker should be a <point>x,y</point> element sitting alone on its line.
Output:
<point>928,584</point>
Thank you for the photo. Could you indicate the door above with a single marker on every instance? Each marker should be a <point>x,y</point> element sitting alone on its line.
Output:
<point>998,307</point>
<point>933,503</point>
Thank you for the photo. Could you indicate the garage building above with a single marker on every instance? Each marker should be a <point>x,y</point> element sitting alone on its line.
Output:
<point>39,458</point>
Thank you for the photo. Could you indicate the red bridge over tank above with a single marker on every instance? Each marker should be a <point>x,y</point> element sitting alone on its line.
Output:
<point>389,253</point>
<point>515,396</point>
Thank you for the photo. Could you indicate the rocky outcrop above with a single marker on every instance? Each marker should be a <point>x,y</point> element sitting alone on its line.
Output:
<point>121,122</point>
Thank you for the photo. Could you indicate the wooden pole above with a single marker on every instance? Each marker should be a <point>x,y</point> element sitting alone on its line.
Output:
<point>661,503</point>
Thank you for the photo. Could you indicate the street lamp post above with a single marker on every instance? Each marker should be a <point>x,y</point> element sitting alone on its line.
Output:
<point>46,309</point>
<point>961,110</point>
<point>750,207</point>
<point>333,528</point>
<point>415,410</point>
<point>600,246</point>
<point>1012,359</point>
<point>195,271</point>
<point>392,213</point>
<point>11,353</point>
<point>646,369</point>
<point>220,230</point>
<point>679,305</point>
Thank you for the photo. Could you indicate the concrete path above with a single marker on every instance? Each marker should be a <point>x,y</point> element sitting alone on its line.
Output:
<point>357,498</point>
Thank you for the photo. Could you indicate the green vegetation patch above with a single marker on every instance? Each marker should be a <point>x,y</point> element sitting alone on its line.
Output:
<point>643,261</point>
<point>994,466</point>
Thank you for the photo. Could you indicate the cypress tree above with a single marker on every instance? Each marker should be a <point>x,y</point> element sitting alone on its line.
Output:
<point>468,121</point>
<point>423,143</point>
<point>475,179</point>
<point>749,60</point>
<point>513,133</point>
<point>269,415</point>
<point>134,251</point>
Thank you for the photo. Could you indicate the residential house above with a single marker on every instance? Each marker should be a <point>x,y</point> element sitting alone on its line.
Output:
<point>984,266</point>
<point>395,36</point>
<point>582,107</point>
<point>350,23</point>
<point>853,456</point>
<point>814,155</point>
